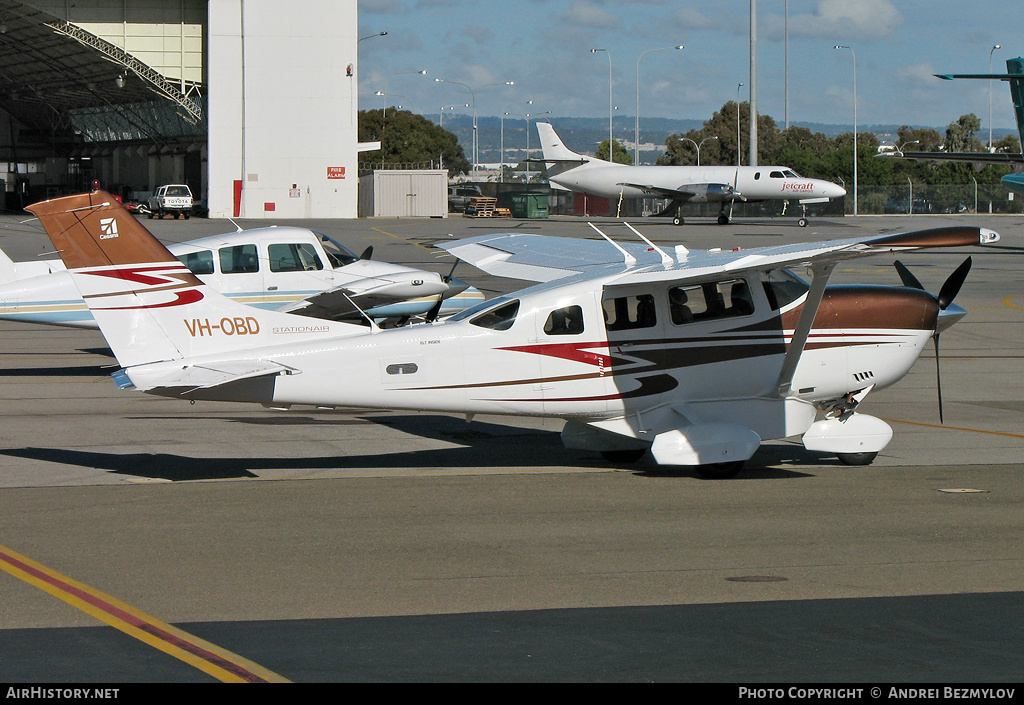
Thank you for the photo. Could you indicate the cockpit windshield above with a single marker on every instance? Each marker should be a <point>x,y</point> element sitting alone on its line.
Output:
<point>783,287</point>
<point>336,252</point>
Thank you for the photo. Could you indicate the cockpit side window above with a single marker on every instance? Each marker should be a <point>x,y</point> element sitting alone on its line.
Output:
<point>198,262</point>
<point>777,175</point>
<point>629,312</point>
<point>565,321</point>
<point>500,318</point>
<point>299,257</point>
<point>239,259</point>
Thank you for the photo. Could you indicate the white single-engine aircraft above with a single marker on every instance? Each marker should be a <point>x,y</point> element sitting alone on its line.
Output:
<point>695,356</point>
<point>279,267</point>
<point>680,184</point>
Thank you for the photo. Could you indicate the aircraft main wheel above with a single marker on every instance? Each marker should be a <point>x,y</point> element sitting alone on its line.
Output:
<point>623,456</point>
<point>720,471</point>
<point>856,458</point>
<point>802,222</point>
<point>677,221</point>
<point>723,220</point>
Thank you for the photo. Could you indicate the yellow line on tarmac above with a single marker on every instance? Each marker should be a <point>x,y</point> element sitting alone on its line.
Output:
<point>1007,302</point>
<point>957,428</point>
<point>209,658</point>
<point>399,237</point>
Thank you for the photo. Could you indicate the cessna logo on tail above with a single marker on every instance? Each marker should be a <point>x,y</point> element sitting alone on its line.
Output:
<point>108,228</point>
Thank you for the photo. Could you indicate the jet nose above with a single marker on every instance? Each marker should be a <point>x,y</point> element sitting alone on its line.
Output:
<point>832,190</point>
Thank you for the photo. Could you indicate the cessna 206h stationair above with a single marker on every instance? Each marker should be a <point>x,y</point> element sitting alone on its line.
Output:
<point>279,267</point>
<point>679,184</point>
<point>696,357</point>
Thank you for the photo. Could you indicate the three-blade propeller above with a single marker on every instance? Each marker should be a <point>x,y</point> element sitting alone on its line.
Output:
<point>950,288</point>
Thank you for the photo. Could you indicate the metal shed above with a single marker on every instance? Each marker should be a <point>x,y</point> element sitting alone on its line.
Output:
<point>419,193</point>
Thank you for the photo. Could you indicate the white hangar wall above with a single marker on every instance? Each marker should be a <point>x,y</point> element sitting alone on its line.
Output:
<point>282,116</point>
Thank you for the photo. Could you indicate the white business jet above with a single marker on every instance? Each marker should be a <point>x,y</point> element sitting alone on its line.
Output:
<point>284,268</point>
<point>680,184</point>
<point>696,357</point>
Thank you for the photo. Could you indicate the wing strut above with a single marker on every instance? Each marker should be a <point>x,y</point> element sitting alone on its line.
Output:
<point>630,259</point>
<point>820,274</point>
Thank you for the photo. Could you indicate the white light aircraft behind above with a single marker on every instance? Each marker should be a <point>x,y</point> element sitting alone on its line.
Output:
<point>280,267</point>
<point>696,357</point>
<point>680,184</point>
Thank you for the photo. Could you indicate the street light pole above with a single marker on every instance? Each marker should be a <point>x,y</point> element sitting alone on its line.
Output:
<point>399,73</point>
<point>739,160</point>
<point>698,146</point>
<point>997,46</point>
<point>610,106</point>
<point>854,55</point>
<point>636,126</point>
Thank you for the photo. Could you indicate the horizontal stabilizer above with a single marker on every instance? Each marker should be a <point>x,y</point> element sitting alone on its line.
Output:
<point>204,376</point>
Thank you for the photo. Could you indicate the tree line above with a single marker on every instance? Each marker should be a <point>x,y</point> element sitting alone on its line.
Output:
<point>408,137</point>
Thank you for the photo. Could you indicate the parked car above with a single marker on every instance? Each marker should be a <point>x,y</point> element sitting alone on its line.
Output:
<point>173,199</point>
<point>459,197</point>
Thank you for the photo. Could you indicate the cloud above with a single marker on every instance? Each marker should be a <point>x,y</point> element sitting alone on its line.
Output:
<point>586,14</point>
<point>842,19</point>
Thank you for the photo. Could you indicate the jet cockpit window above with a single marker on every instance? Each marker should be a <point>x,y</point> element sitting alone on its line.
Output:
<point>629,312</point>
<point>499,318</point>
<point>565,321</point>
<point>790,174</point>
<point>198,262</point>
<point>239,259</point>
<point>777,175</point>
<point>782,287</point>
<point>300,257</point>
<point>710,301</point>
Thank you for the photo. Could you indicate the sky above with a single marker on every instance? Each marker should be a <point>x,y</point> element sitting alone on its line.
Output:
<point>545,48</point>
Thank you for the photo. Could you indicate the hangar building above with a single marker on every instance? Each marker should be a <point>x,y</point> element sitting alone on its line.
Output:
<point>253,104</point>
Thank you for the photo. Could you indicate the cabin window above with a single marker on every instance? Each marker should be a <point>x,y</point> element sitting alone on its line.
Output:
<point>757,175</point>
<point>565,321</point>
<point>500,318</point>
<point>782,287</point>
<point>293,258</point>
<point>198,262</point>
<point>629,312</point>
<point>710,301</point>
<point>239,259</point>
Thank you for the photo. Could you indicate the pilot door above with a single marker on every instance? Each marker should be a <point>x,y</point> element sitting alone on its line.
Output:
<point>575,368</point>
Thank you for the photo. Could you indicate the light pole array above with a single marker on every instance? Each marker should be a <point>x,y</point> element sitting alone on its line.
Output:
<point>472,93</point>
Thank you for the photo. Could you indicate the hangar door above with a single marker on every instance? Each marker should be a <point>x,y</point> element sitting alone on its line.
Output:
<point>400,194</point>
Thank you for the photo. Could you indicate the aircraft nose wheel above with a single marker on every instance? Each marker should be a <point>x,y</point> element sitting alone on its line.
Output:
<point>802,222</point>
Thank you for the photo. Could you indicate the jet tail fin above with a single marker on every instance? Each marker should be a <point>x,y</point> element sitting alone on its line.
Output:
<point>148,305</point>
<point>8,272</point>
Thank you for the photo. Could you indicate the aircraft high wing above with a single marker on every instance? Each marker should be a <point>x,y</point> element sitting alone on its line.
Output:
<point>679,184</point>
<point>281,267</point>
<point>1015,182</point>
<point>694,357</point>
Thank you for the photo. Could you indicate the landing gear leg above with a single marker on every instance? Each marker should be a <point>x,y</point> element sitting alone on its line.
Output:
<point>802,222</point>
<point>677,219</point>
<point>723,217</point>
